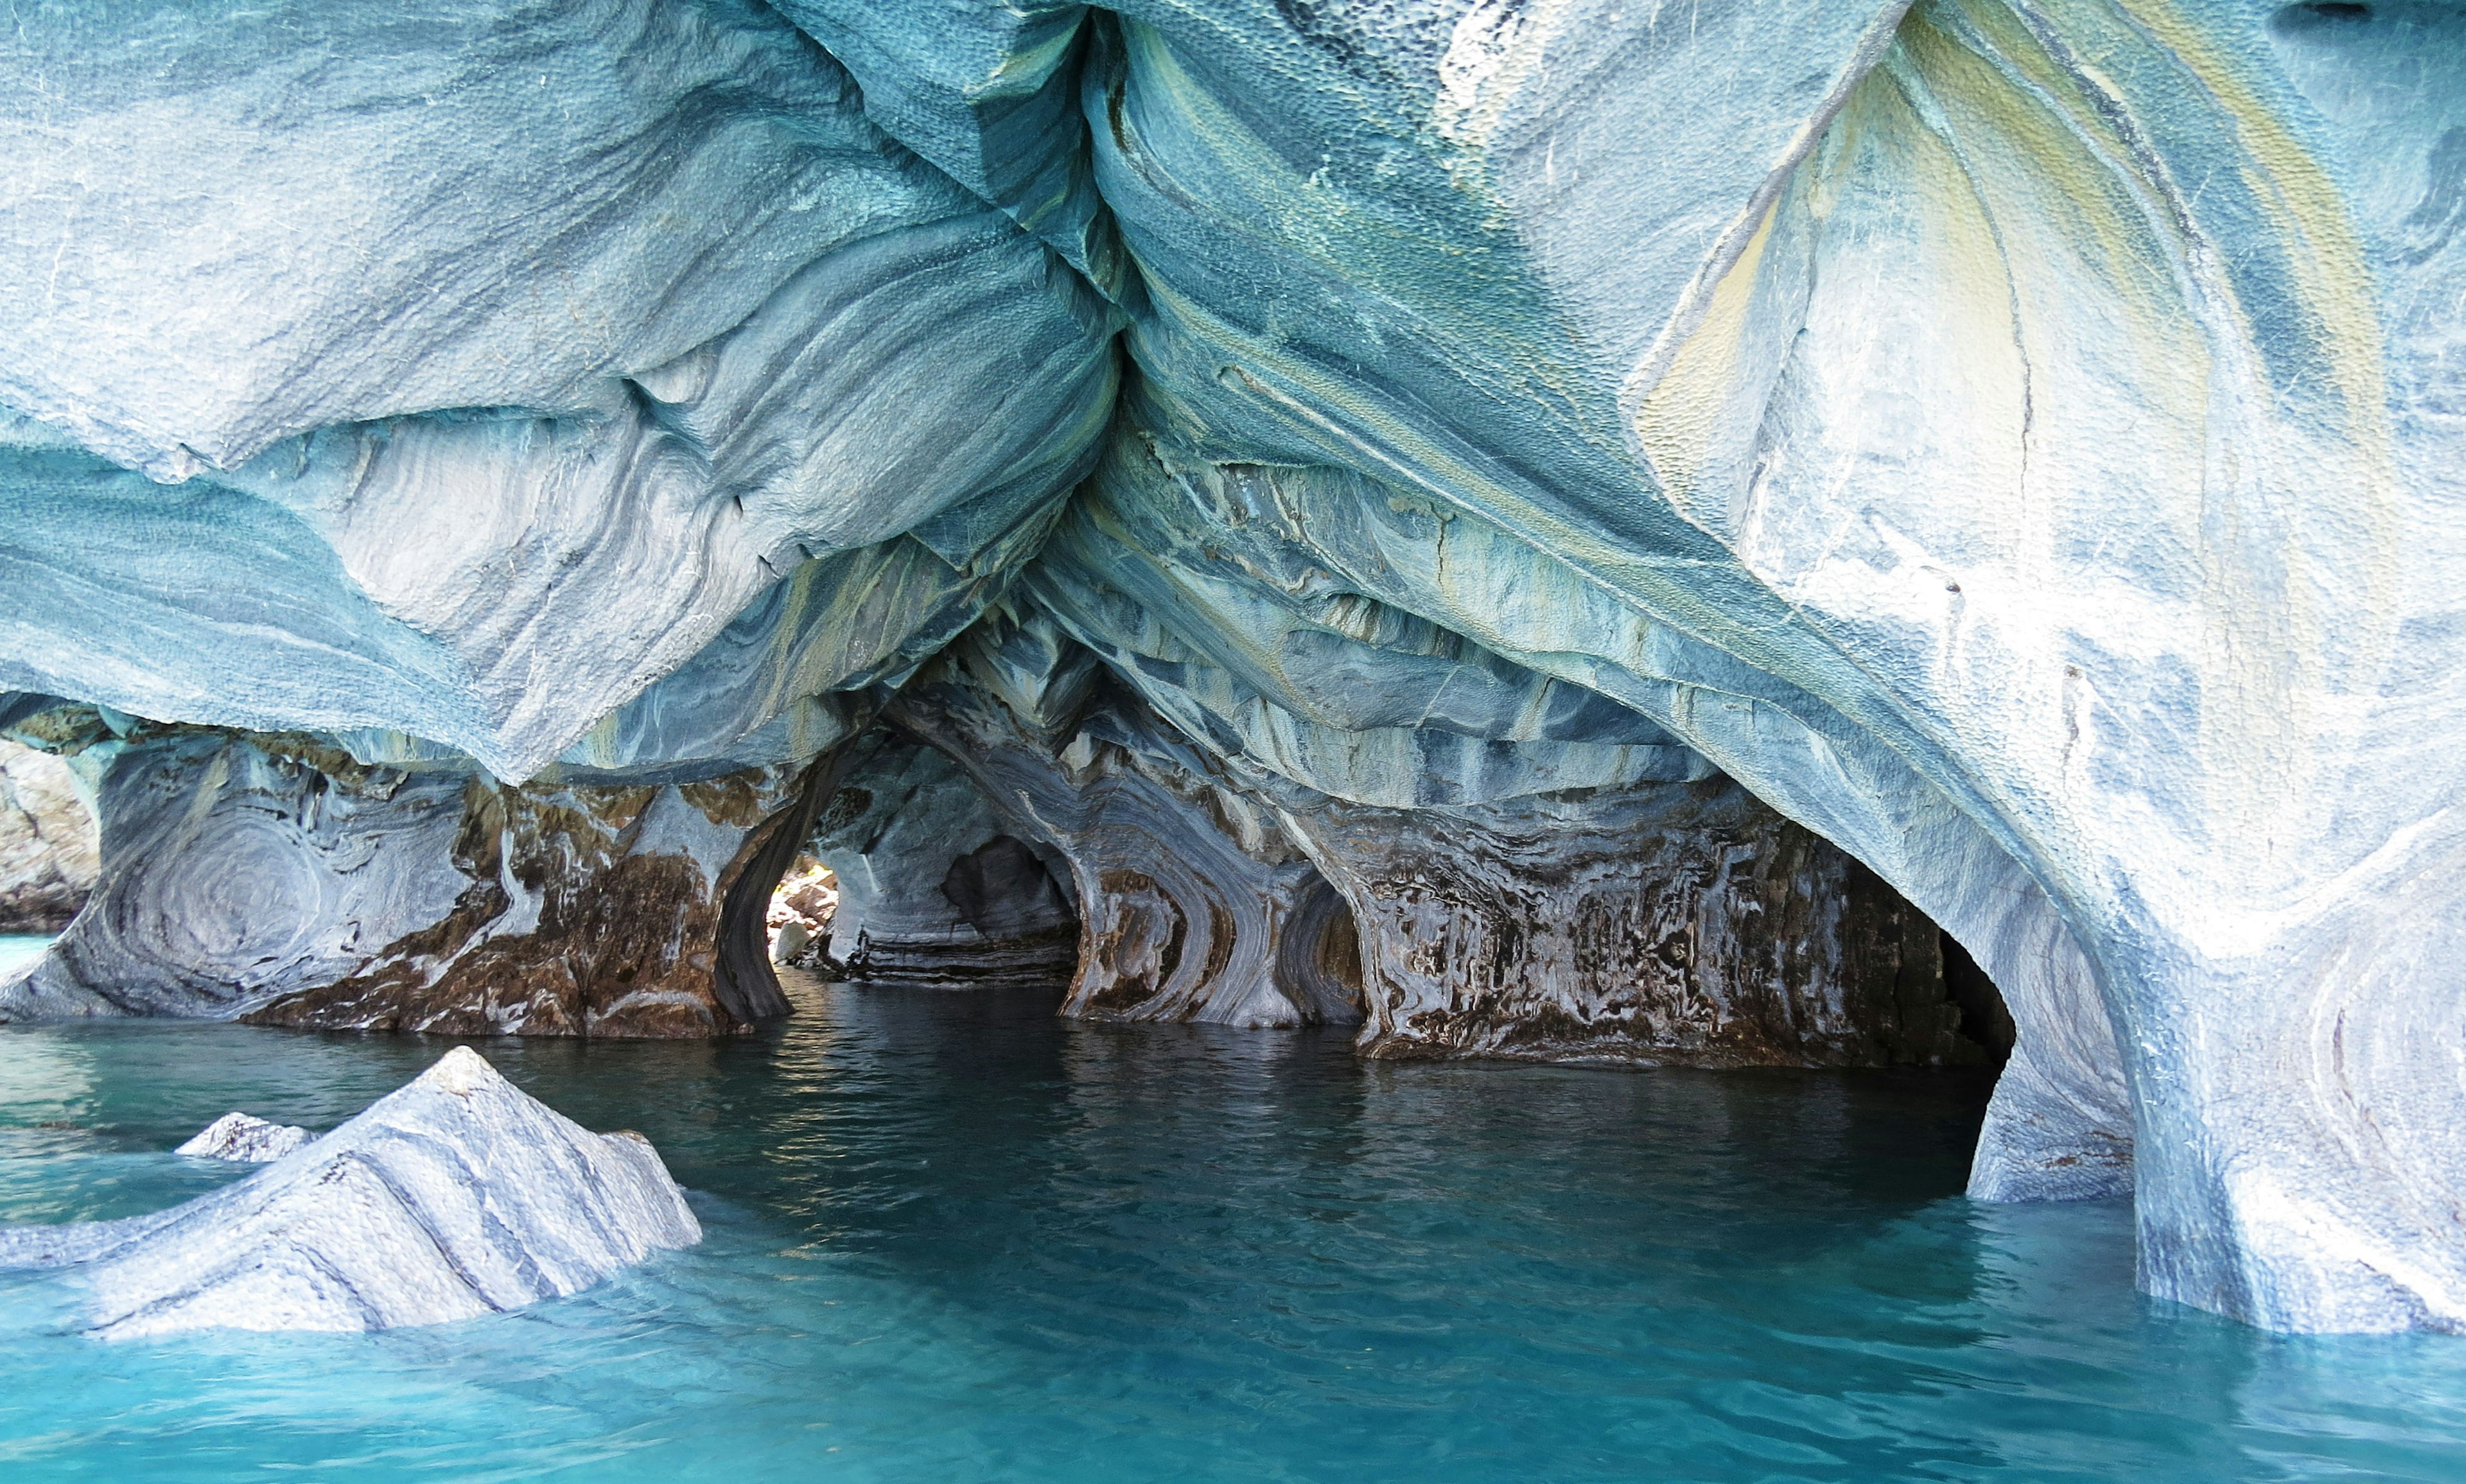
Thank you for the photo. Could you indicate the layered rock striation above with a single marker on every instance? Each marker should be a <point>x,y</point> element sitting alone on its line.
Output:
<point>1424,515</point>
<point>1669,924</point>
<point>455,1196</point>
<point>276,879</point>
<point>1194,905</point>
<point>932,893</point>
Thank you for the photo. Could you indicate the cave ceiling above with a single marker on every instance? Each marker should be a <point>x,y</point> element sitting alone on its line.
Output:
<point>2016,442</point>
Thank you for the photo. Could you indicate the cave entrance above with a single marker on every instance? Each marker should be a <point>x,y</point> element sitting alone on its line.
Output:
<point>1984,1020</point>
<point>1320,958</point>
<point>908,876</point>
<point>1701,929</point>
<point>800,916</point>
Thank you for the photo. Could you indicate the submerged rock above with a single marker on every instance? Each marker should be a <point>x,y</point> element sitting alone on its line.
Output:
<point>455,1196</point>
<point>248,1141</point>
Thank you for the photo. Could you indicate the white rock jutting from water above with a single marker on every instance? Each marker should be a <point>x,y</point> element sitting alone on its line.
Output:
<point>245,1139</point>
<point>455,1196</point>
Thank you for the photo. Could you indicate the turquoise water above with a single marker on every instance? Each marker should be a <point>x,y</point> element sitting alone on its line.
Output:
<point>953,1239</point>
<point>17,947</point>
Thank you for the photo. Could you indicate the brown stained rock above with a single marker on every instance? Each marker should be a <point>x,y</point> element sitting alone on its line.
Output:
<point>1133,942</point>
<point>619,951</point>
<point>1677,924</point>
<point>272,878</point>
<point>611,935</point>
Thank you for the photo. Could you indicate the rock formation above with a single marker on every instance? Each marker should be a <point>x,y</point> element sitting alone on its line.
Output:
<point>50,855</point>
<point>279,880</point>
<point>801,908</point>
<point>932,892</point>
<point>1193,903</point>
<point>1673,923</point>
<point>457,1195</point>
<point>1392,510</point>
<point>245,1139</point>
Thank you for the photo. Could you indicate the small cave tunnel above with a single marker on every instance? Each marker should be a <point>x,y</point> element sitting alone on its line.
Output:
<point>904,875</point>
<point>1320,956</point>
<point>995,912</point>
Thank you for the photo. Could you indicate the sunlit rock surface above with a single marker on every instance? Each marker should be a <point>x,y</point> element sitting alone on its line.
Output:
<point>245,1139</point>
<point>455,1196</point>
<point>50,851</point>
<point>2016,444</point>
<point>799,915</point>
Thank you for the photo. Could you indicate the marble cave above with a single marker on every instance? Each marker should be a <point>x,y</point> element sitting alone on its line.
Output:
<point>1893,539</point>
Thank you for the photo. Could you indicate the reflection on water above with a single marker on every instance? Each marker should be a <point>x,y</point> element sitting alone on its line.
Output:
<point>952,1238</point>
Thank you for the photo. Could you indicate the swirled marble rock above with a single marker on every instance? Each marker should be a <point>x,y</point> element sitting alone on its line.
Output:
<point>278,881</point>
<point>933,893</point>
<point>1319,627</point>
<point>1667,925</point>
<point>1193,904</point>
<point>2016,443</point>
<point>50,852</point>
<point>2046,402</point>
<point>455,1196</point>
<point>676,341</point>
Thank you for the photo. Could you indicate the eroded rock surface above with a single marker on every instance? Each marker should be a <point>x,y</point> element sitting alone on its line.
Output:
<point>455,1196</point>
<point>1193,904</point>
<point>51,854</point>
<point>281,881</point>
<point>245,1139</point>
<point>2015,443</point>
<point>1681,924</point>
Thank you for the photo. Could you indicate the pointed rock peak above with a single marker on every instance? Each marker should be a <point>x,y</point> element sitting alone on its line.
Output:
<point>424,1209</point>
<point>461,1071</point>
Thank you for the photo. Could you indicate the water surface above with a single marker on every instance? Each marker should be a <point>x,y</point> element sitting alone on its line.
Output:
<point>953,1239</point>
<point>18,948</point>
